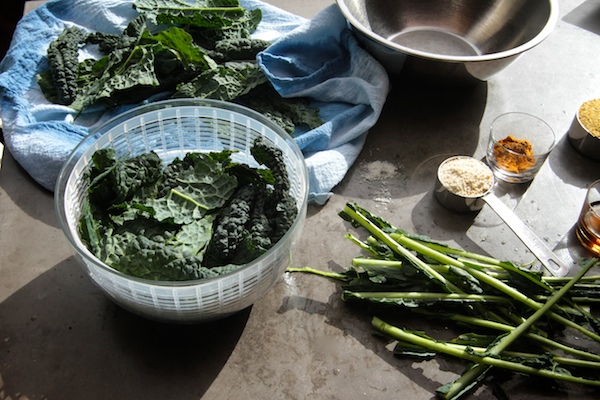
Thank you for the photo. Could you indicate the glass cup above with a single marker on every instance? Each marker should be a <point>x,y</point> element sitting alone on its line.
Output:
<point>518,146</point>
<point>588,226</point>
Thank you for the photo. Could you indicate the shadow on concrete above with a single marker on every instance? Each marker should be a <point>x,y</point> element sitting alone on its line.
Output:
<point>59,333</point>
<point>585,16</point>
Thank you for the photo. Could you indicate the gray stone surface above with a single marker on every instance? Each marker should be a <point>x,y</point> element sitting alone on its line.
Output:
<point>61,338</point>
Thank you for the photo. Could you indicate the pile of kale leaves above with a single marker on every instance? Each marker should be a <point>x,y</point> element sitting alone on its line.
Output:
<point>174,48</point>
<point>195,218</point>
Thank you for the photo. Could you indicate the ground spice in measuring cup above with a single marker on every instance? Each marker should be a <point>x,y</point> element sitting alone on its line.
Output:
<point>514,155</point>
<point>589,115</point>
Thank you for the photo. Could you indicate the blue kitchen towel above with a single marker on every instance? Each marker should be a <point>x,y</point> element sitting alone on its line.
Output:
<point>318,58</point>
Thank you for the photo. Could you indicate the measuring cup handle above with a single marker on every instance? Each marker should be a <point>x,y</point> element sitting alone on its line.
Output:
<point>549,260</point>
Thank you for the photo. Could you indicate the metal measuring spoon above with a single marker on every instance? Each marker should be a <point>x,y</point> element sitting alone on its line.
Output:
<point>464,204</point>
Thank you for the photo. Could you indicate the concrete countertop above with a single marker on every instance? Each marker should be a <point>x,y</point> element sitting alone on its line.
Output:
<point>61,338</point>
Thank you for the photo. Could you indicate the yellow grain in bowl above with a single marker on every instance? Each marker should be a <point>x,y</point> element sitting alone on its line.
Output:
<point>589,116</point>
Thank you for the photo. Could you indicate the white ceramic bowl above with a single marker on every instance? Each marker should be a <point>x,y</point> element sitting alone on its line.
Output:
<point>173,128</point>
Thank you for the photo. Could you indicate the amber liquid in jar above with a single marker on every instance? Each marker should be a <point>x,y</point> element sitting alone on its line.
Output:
<point>588,228</point>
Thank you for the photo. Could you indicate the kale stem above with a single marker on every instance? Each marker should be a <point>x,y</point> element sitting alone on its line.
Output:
<point>372,262</point>
<point>188,198</point>
<point>441,347</point>
<point>562,279</point>
<point>473,374</point>
<point>412,244</point>
<point>426,296</point>
<point>484,323</point>
<point>394,246</point>
<point>573,362</point>
<point>332,275</point>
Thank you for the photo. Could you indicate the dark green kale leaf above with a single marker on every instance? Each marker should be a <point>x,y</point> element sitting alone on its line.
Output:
<point>63,56</point>
<point>203,171</point>
<point>148,258</point>
<point>208,21</point>
<point>224,82</point>
<point>229,227</point>
<point>193,238</point>
<point>108,42</point>
<point>156,63</point>
<point>114,180</point>
<point>239,49</point>
<point>258,215</point>
<point>197,49</point>
<point>288,113</point>
<point>157,223</point>
<point>281,208</point>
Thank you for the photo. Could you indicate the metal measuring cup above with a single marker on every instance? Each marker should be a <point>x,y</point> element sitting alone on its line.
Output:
<point>469,204</point>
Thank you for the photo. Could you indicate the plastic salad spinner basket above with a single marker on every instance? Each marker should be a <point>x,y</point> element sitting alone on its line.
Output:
<point>173,128</point>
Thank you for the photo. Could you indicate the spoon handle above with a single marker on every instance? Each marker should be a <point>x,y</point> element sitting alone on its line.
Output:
<point>549,260</point>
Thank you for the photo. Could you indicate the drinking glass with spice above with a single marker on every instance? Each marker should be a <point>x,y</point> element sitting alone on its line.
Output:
<point>518,146</point>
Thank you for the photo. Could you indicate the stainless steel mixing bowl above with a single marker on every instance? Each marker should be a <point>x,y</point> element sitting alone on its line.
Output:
<point>449,41</point>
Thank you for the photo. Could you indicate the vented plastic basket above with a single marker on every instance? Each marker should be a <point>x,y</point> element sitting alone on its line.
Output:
<point>173,128</point>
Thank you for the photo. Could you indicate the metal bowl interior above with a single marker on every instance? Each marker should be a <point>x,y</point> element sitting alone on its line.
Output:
<point>483,34</point>
<point>173,128</point>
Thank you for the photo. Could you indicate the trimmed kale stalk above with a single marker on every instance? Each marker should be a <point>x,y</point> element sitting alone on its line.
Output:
<point>475,373</point>
<point>543,340</point>
<point>488,361</point>
<point>353,215</point>
<point>493,282</point>
<point>409,273</point>
<point>403,244</point>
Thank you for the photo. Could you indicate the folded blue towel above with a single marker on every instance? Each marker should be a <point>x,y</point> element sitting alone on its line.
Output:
<point>318,58</point>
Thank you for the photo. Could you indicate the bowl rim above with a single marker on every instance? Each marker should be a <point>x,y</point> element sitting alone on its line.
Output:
<point>537,39</point>
<point>73,158</point>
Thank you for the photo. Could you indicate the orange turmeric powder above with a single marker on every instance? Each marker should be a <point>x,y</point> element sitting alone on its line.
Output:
<point>514,155</point>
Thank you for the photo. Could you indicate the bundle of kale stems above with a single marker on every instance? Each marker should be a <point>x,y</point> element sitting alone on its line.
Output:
<point>518,319</point>
<point>173,49</point>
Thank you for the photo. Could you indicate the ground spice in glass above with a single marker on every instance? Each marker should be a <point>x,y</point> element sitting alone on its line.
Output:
<point>589,115</point>
<point>514,155</point>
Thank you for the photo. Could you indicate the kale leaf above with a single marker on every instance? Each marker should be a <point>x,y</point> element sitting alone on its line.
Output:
<point>200,49</point>
<point>196,217</point>
<point>258,215</point>
<point>62,57</point>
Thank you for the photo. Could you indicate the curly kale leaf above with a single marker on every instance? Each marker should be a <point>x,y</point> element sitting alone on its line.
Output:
<point>114,180</point>
<point>156,63</point>
<point>148,258</point>
<point>230,226</point>
<point>63,55</point>
<point>258,215</point>
<point>197,217</point>
<point>224,82</point>
<point>154,8</point>
<point>186,191</point>
<point>109,42</point>
<point>208,21</point>
<point>239,49</point>
<point>203,173</point>
<point>281,207</point>
<point>288,113</point>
